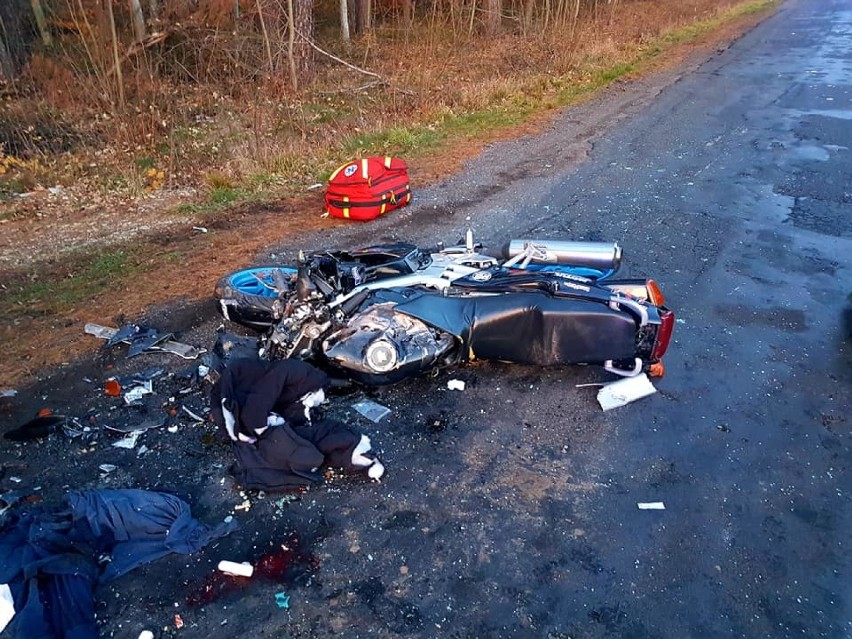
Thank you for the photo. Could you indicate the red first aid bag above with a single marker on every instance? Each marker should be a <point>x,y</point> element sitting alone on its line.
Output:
<point>365,189</point>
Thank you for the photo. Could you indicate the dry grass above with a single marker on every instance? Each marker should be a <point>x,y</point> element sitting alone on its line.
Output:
<point>217,149</point>
<point>199,103</point>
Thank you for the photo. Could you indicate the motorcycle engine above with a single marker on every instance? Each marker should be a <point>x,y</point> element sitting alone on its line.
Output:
<point>296,333</point>
<point>384,345</point>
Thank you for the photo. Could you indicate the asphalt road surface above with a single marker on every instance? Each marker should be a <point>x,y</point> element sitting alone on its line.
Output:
<point>510,509</point>
<point>731,185</point>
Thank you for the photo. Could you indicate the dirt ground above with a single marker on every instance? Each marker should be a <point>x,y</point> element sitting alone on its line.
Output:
<point>357,558</point>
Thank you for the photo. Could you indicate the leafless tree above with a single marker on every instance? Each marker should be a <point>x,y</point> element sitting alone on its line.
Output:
<point>138,20</point>
<point>43,30</point>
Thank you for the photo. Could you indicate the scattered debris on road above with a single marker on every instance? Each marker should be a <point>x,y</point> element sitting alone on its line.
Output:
<point>282,600</point>
<point>244,569</point>
<point>371,410</point>
<point>143,340</point>
<point>624,391</point>
<point>455,384</point>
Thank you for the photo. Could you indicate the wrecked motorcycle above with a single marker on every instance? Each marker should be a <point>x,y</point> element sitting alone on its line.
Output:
<point>385,312</point>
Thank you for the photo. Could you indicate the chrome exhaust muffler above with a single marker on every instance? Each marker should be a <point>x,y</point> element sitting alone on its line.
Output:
<point>598,255</point>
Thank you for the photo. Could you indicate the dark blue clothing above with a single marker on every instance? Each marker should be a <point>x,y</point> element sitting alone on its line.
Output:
<point>49,557</point>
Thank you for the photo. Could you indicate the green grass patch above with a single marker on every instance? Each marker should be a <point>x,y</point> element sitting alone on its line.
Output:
<point>224,195</point>
<point>88,276</point>
<point>693,31</point>
<point>614,72</point>
<point>395,141</point>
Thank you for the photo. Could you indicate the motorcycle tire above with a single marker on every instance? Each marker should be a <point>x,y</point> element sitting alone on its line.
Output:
<point>247,296</point>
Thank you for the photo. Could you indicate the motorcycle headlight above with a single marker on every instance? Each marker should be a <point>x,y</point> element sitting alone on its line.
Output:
<point>381,356</point>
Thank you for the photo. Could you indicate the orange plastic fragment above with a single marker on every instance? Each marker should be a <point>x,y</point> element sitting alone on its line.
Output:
<point>45,412</point>
<point>112,387</point>
<point>657,369</point>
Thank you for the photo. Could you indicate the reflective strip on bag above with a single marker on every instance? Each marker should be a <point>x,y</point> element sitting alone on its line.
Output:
<point>346,209</point>
<point>387,161</point>
<point>382,210</point>
<point>338,170</point>
<point>364,172</point>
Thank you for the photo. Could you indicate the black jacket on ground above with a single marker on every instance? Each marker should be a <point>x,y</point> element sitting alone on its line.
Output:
<point>283,458</point>
<point>252,388</point>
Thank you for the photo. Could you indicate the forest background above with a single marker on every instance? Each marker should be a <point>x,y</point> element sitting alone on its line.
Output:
<point>124,124</point>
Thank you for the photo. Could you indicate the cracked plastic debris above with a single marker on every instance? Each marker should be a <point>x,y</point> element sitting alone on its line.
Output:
<point>455,384</point>
<point>282,599</point>
<point>371,410</point>
<point>138,392</point>
<point>651,505</point>
<point>128,442</point>
<point>625,391</point>
<point>143,340</point>
<point>194,416</point>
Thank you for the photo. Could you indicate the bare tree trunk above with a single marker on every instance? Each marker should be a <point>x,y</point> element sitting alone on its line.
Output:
<point>6,69</point>
<point>301,14</point>
<point>119,76</point>
<point>407,13</point>
<point>493,16</point>
<point>363,16</point>
<point>613,5</point>
<point>138,19</point>
<point>38,12</point>
<point>344,21</point>
<point>291,45</point>
<point>266,42</point>
<point>529,13</point>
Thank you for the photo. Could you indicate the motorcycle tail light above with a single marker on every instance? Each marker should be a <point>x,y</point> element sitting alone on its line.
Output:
<point>654,293</point>
<point>664,335</point>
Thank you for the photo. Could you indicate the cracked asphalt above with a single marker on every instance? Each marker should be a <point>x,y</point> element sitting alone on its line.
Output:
<point>510,509</point>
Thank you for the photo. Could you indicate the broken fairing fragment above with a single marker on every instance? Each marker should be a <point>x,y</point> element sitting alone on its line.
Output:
<point>625,391</point>
<point>371,410</point>
<point>152,341</point>
<point>651,505</point>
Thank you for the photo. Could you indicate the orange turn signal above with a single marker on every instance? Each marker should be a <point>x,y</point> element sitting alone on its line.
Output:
<point>655,294</point>
<point>657,369</point>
